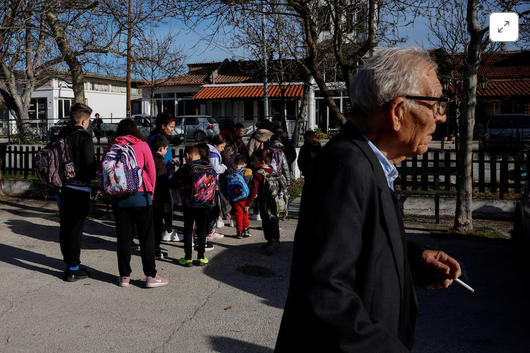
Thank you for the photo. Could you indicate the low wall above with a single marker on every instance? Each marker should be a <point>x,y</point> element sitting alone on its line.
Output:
<point>424,206</point>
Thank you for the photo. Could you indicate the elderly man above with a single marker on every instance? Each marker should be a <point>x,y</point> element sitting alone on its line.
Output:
<point>352,271</point>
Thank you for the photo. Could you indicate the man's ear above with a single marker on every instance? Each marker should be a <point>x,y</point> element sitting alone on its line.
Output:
<point>396,112</point>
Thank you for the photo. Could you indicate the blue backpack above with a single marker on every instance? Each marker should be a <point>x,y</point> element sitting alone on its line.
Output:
<point>237,188</point>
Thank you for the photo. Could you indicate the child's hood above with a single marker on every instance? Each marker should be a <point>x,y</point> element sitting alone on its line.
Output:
<point>263,135</point>
<point>122,140</point>
<point>213,150</point>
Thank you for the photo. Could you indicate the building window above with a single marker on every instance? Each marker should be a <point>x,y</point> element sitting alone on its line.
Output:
<point>64,108</point>
<point>101,87</point>
<point>38,109</point>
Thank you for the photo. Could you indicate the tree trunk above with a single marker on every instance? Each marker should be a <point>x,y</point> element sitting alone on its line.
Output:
<point>76,68</point>
<point>464,203</point>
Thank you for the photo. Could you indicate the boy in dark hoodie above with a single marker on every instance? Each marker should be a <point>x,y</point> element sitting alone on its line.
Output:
<point>161,197</point>
<point>74,198</point>
<point>198,215</point>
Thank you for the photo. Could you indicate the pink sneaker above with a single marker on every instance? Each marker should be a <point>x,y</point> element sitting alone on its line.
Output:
<point>124,281</point>
<point>157,281</point>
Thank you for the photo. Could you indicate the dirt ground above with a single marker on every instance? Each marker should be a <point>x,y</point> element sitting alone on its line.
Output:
<point>502,226</point>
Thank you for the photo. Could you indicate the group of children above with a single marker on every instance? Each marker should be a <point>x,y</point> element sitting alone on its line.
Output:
<point>200,219</point>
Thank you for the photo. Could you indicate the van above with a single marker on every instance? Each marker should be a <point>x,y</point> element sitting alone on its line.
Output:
<point>506,133</point>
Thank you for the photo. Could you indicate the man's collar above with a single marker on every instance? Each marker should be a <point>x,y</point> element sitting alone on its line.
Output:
<point>389,169</point>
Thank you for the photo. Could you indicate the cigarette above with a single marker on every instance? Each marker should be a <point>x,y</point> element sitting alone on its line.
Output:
<point>464,285</point>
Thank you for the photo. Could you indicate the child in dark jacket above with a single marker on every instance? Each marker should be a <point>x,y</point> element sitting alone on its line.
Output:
<point>271,227</point>
<point>161,197</point>
<point>241,217</point>
<point>198,215</point>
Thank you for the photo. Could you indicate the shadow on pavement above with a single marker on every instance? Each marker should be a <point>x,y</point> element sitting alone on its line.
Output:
<point>253,271</point>
<point>51,233</point>
<point>492,319</point>
<point>229,345</point>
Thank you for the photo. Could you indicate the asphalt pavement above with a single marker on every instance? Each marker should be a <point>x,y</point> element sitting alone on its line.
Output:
<point>234,304</point>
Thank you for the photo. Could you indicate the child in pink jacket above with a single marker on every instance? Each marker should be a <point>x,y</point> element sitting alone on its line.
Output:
<point>136,210</point>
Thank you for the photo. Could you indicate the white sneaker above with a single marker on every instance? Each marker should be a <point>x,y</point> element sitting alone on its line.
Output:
<point>166,236</point>
<point>176,236</point>
<point>255,217</point>
<point>220,223</point>
<point>232,223</point>
<point>217,235</point>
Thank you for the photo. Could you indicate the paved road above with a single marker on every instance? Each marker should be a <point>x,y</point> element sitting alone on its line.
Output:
<point>232,305</point>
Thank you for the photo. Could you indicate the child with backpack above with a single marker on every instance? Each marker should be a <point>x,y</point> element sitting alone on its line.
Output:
<point>238,192</point>
<point>161,196</point>
<point>217,146</point>
<point>68,164</point>
<point>271,189</point>
<point>279,160</point>
<point>130,159</point>
<point>198,191</point>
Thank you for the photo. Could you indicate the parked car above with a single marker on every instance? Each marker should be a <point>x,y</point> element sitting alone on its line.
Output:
<point>54,130</point>
<point>506,132</point>
<point>198,127</point>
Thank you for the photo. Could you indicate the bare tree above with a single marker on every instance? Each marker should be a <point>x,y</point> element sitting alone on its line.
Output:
<point>475,14</point>
<point>25,56</point>
<point>157,60</point>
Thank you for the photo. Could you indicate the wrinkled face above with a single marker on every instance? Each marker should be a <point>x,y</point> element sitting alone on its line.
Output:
<point>166,130</point>
<point>420,117</point>
<point>220,147</point>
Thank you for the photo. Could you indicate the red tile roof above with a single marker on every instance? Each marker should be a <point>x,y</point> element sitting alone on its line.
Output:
<point>217,92</point>
<point>506,88</point>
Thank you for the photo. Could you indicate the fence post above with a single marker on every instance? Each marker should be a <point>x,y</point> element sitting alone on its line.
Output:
<point>493,173</point>
<point>25,165</point>
<point>481,172</point>
<point>504,176</point>
<point>425,178</point>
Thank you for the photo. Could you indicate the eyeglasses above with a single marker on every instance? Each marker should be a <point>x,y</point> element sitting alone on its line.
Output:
<point>443,102</point>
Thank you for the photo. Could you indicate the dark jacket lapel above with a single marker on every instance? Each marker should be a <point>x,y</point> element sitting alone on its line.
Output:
<point>350,131</point>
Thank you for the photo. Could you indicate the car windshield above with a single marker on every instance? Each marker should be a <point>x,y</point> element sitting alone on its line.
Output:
<point>63,121</point>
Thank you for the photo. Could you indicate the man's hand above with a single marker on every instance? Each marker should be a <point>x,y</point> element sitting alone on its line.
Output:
<point>440,269</point>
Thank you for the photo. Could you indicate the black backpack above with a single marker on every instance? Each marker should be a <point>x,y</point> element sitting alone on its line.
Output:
<point>202,180</point>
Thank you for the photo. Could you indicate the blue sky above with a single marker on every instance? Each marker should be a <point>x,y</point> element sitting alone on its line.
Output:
<point>416,33</point>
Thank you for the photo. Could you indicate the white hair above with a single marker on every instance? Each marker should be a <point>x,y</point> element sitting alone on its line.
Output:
<point>389,73</point>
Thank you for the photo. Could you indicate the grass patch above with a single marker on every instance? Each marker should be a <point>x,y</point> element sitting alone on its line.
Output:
<point>482,232</point>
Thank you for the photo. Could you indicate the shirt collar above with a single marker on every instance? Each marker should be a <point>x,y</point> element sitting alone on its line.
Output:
<point>389,169</point>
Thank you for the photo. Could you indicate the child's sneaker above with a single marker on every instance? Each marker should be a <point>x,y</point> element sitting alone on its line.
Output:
<point>124,281</point>
<point>185,263</point>
<point>202,262</point>
<point>157,281</point>
<point>246,232</point>
<point>239,235</point>
<point>215,235</point>
<point>176,236</point>
<point>208,247</point>
<point>220,223</point>
<point>232,223</point>
<point>166,236</point>
<point>159,255</point>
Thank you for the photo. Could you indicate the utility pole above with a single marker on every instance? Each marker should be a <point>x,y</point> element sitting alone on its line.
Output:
<point>129,58</point>
<point>265,92</point>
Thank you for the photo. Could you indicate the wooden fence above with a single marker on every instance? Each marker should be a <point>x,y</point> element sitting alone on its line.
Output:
<point>490,170</point>
<point>17,160</point>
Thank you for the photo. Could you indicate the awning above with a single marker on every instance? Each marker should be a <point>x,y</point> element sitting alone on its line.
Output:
<point>247,91</point>
<point>506,88</point>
